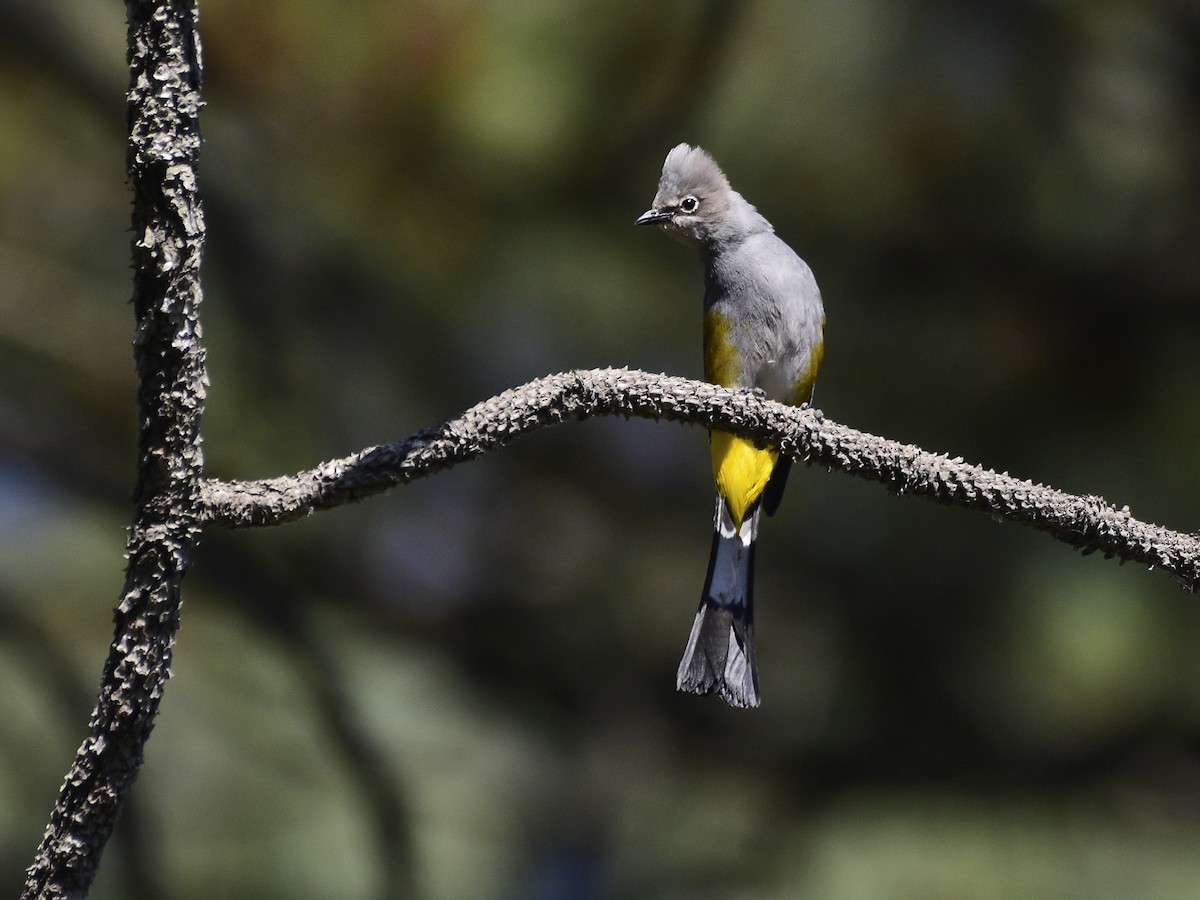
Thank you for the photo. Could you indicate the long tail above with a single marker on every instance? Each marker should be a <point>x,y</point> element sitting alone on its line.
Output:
<point>720,650</point>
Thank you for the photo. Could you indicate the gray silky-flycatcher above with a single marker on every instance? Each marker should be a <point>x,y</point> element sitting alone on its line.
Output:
<point>763,329</point>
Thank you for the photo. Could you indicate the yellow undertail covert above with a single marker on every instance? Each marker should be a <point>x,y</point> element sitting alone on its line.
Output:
<point>741,471</point>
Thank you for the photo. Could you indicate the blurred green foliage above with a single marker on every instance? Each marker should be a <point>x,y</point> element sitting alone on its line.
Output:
<point>467,684</point>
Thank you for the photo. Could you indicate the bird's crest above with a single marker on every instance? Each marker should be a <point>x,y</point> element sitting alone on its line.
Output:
<point>690,170</point>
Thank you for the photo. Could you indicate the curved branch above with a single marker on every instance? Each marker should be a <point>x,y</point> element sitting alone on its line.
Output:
<point>1089,523</point>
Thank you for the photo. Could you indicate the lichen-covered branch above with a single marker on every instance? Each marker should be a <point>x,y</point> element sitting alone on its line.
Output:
<point>168,239</point>
<point>1088,523</point>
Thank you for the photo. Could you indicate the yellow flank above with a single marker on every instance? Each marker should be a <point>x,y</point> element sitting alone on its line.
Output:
<point>720,356</point>
<point>804,385</point>
<point>741,471</point>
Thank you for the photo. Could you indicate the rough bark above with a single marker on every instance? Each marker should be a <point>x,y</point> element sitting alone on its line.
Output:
<point>168,240</point>
<point>1086,522</point>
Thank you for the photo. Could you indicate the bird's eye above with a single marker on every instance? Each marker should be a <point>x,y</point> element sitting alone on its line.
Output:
<point>689,205</point>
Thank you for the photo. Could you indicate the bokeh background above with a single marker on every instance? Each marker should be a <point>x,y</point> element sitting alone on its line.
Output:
<point>465,688</point>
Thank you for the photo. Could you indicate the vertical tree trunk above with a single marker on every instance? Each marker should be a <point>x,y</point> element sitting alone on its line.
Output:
<point>168,240</point>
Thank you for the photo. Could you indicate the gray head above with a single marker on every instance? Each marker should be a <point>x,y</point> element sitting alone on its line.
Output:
<point>695,203</point>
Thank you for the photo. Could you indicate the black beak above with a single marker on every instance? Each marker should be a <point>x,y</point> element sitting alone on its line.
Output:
<point>653,217</point>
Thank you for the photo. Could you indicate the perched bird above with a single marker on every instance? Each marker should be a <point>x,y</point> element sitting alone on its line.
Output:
<point>763,324</point>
